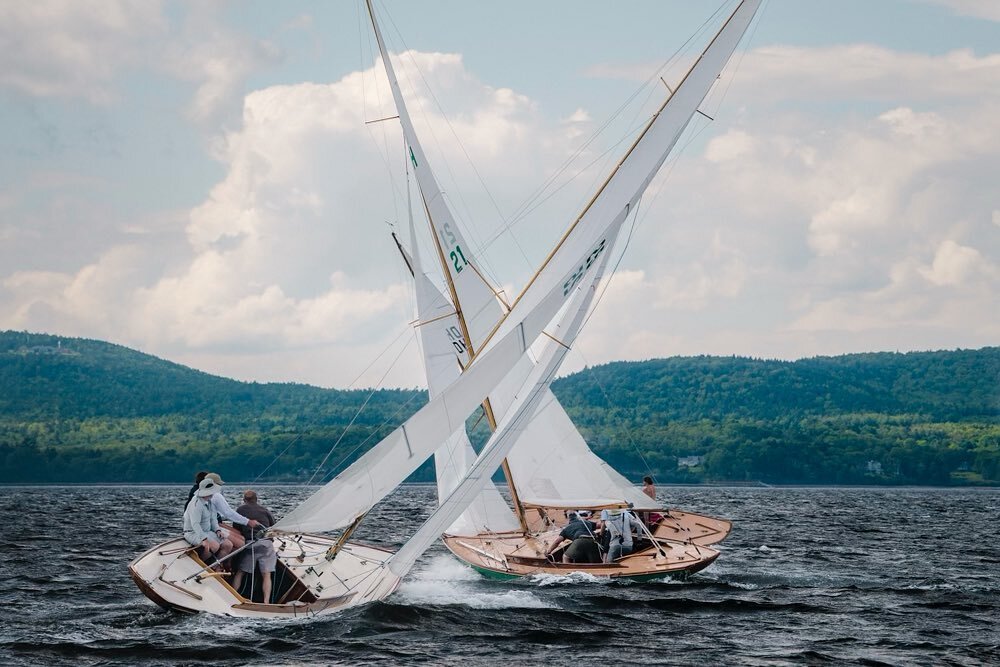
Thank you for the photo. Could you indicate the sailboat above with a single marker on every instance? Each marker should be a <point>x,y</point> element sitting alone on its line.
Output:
<point>510,358</point>
<point>550,470</point>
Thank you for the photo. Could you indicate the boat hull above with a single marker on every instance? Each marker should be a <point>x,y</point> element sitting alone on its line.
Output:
<point>682,547</point>
<point>306,583</point>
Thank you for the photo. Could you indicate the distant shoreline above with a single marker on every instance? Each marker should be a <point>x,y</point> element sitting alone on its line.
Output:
<point>720,485</point>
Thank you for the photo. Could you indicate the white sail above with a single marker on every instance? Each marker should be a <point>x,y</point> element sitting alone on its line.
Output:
<point>554,467</point>
<point>442,348</point>
<point>475,311</point>
<point>480,310</point>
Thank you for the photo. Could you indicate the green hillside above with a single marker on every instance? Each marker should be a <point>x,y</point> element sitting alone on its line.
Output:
<point>75,410</point>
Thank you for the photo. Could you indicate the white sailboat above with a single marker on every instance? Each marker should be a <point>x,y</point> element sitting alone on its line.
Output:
<point>550,469</point>
<point>511,357</point>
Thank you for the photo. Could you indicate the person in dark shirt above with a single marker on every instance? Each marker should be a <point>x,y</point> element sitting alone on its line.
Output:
<point>583,547</point>
<point>194,489</point>
<point>259,554</point>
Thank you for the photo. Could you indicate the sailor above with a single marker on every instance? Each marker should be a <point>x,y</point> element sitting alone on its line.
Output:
<point>201,525</point>
<point>259,554</point>
<point>619,525</point>
<point>194,488</point>
<point>648,488</point>
<point>584,548</point>
<point>224,511</point>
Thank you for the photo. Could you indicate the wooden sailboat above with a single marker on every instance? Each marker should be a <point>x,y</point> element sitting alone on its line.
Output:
<point>550,470</point>
<point>509,355</point>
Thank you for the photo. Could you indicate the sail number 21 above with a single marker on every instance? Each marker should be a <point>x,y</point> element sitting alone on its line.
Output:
<point>448,239</point>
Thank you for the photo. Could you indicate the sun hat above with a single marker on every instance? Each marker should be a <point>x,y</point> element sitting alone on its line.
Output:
<point>215,476</point>
<point>208,487</point>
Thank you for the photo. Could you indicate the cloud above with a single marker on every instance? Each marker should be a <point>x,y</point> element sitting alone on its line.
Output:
<point>74,48</point>
<point>984,9</point>
<point>289,250</point>
<point>854,227</point>
<point>955,264</point>
<point>217,60</point>
<point>845,73</point>
<point>82,49</point>
<point>846,203</point>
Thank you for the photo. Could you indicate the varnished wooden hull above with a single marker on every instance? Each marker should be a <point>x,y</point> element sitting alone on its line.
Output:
<point>682,547</point>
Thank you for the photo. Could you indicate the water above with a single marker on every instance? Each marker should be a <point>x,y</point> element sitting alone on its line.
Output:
<point>809,576</point>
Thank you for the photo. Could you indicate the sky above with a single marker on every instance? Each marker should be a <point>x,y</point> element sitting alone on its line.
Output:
<point>213,183</point>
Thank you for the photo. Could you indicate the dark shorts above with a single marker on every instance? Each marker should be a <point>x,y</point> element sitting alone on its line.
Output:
<point>584,550</point>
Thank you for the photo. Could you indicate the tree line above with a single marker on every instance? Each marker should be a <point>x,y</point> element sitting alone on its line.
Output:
<point>77,410</point>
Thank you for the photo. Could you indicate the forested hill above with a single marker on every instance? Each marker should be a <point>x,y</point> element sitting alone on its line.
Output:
<point>78,410</point>
<point>949,386</point>
<point>45,378</point>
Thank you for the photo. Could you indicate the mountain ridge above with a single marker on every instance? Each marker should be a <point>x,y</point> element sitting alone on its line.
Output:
<point>74,409</point>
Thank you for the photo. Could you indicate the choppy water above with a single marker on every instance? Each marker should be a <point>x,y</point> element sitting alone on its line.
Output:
<point>809,576</point>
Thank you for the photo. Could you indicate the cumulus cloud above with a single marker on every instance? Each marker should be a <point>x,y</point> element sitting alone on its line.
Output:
<point>955,264</point>
<point>218,61</point>
<point>848,229</point>
<point>784,230</point>
<point>290,248</point>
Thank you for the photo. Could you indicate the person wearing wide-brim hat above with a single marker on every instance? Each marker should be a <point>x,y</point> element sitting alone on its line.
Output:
<point>224,512</point>
<point>201,526</point>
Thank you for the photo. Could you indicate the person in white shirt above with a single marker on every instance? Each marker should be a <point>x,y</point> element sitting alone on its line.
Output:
<point>201,525</point>
<point>223,510</point>
<point>619,524</point>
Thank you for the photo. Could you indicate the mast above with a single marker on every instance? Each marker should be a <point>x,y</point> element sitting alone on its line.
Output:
<point>415,150</point>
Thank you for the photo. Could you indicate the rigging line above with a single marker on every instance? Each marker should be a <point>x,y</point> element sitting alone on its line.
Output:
<point>358,413</point>
<point>600,158</point>
<point>628,101</point>
<point>467,211</point>
<point>375,360</point>
<point>389,420</point>
<point>362,60</point>
<point>523,210</point>
<point>444,115</point>
<point>739,61</point>
<point>297,437</point>
<point>385,142</point>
